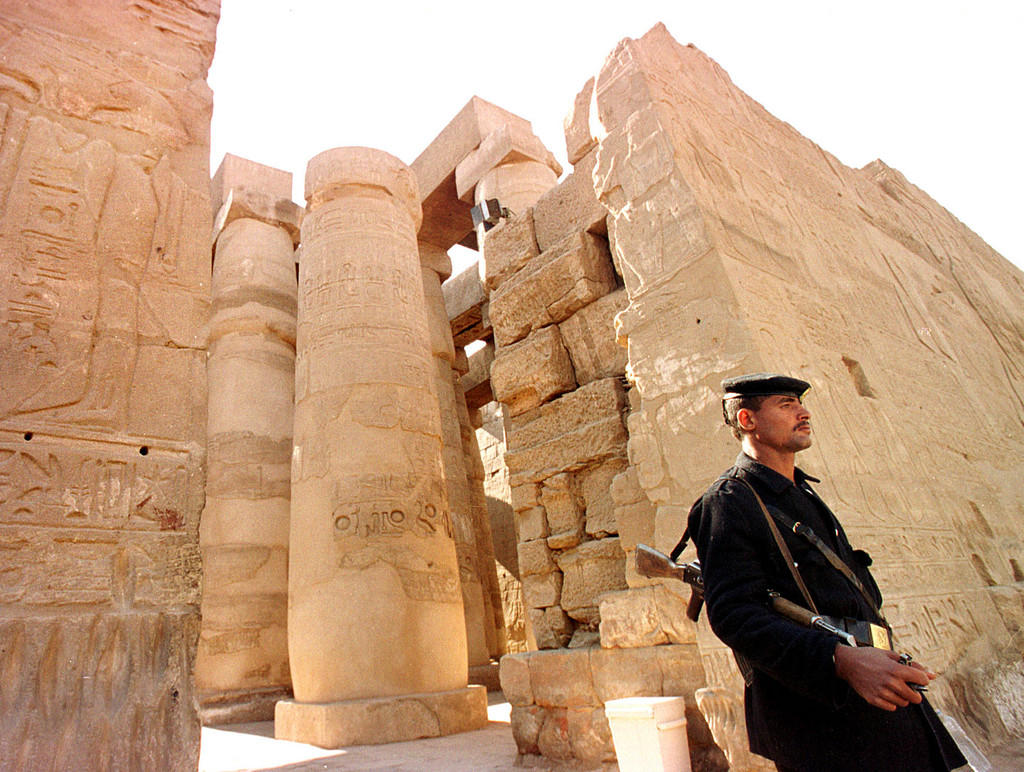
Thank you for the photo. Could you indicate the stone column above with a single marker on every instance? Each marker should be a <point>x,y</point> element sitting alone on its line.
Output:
<point>242,661</point>
<point>480,632</point>
<point>375,610</point>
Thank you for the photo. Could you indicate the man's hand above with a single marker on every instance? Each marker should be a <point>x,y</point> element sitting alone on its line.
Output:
<point>878,677</point>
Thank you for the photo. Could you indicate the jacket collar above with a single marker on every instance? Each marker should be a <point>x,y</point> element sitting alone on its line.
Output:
<point>774,481</point>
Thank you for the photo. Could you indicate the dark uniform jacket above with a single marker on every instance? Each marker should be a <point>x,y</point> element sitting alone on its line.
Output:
<point>799,713</point>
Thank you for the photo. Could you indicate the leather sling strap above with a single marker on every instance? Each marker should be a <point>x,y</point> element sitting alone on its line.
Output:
<point>786,554</point>
<point>837,562</point>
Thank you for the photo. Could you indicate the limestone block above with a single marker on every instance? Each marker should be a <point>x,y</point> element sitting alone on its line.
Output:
<point>553,739</point>
<point>630,619</point>
<point>446,218</point>
<point>571,206</point>
<point>525,495</point>
<point>578,429</point>
<point>590,570</point>
<point>514,672</point>
<point>579,139</point>
<point>532,523</point>
<point>681,669</point>
<point>526,724</point>
<point>505,145</point>
<point>466,302</point>
<point>563,508</point>
<point>542,590</point>
<point>595,484</point>
<point>509,246</point>
<point>562,678</point>
<point>476,381</point>
<point>552,627</point>
<point>646,616</point>
<point>253,204</point>
<point>570,275</point>
<point>589,336</point>
<point>589,735</point>
<point>535,558</point>
<point>628,672</point>
<point>376,721</point>
<point>237,172</point>
<point>531,371</point>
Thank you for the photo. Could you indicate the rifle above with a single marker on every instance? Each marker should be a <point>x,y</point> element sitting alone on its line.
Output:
<point>654,564</point>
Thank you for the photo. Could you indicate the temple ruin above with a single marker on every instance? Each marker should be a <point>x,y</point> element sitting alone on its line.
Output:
<point>271,461</point>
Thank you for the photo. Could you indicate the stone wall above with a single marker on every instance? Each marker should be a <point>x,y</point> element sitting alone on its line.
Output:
<point>104,232</point>
<point>744,247</point>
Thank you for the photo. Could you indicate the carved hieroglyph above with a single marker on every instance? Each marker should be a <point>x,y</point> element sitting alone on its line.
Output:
<point>745,247</point>
<point>242,661</point>
<point>104,227</point>
<point>375,607</point>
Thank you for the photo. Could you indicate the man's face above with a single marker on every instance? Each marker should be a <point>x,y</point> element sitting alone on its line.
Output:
<point>781,423</point>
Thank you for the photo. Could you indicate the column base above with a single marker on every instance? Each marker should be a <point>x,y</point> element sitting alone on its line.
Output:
<point>381,719</point>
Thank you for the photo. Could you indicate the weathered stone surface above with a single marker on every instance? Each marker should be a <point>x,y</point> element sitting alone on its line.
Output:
<point>514,672</point>
<point>552,627</point>
<point>369,504</point>
<point>595,484</point>
<point>526,724</point>
<point>253,204</point>
<point>105,265</point>
<point>562,678</point>
<point>476,382</point>
<point>237,172</point>
<point>466,301</point>
<point>621,673</point>
<point>532,524</point>
<point>243,648</point>
<point>589,337</point>
<point>581,428</point>
<point>713,206</point>
<point>590,570</point>
<point>506,145</point>
<point>525,495</point>
<point>553,739</point>
<point>563,508</point>
<point>535,558</point>
<point>571,206</point>
<point>542,590</point>
<point>532,371</point>
<point>646,616</point>
<point>375,721</point>
<point>553,286</point>
<point>589,735</point>
<point>511,244</point>
<point>579,138</point>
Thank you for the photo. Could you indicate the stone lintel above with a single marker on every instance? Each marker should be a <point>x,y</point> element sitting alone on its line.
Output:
<point>446,219</point>
<point>237,172</point>
<point>251,203</point>
<point>466,302</point>
<point>505,144</point>
<point>476,383</point>
<point>381,720</point>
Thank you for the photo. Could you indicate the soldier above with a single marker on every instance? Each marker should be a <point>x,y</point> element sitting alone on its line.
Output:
<point>812,702</point>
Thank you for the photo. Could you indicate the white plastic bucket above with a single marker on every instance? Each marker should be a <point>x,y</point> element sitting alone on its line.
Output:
<point>649,733</point>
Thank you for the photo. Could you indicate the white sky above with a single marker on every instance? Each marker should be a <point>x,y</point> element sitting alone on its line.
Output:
<point>934,89</point>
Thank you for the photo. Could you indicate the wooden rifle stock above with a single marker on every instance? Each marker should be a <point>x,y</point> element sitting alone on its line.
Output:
<point>654,564</point>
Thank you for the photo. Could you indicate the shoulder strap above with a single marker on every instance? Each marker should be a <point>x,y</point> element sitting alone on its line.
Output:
<point>834,560</point>
<point>787,556</point>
